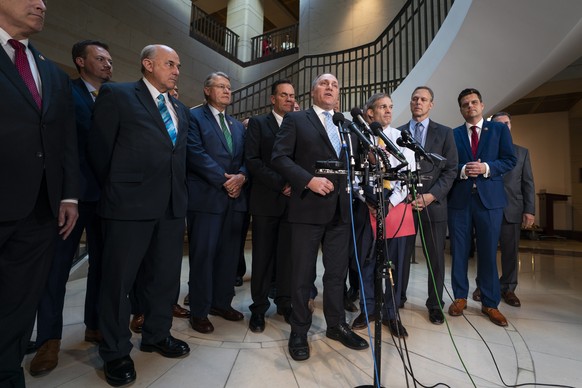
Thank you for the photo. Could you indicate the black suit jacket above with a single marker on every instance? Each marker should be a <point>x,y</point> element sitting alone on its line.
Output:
<point>36,141</point>
<point>438,181</point>
<point>139,169</point>
<point>300,143</point>
<point>266,196</point>
<point>83,114</point>
<point>519,188</point>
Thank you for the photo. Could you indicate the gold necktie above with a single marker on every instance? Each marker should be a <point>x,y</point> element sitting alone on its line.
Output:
<point>386,183</point>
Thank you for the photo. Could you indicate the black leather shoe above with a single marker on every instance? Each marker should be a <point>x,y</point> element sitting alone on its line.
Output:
<point>201,325</point>
<point>238,281</point>
<point>257,323</point>
<point>285,312</point>
<point>346,336</point>
<point>119,372</point>
<point>360,322</point>
<point>169,347</point>
<point>298,346</point>
<point>435,316</point>
<point>229,314</point>
<point>396,328</point>
<point>31,347</point>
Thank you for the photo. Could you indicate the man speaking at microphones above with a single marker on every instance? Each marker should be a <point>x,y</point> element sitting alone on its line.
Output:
<point>318,214</point>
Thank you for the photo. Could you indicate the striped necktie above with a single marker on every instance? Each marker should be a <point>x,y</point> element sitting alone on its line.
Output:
<point>332,133</point>
<point>167,118</point>
<point>226,132</point>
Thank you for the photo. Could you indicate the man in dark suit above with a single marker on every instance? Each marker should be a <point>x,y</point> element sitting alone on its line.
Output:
<point>138,154</point>
<point>94,64</point>
<point>269,200</point>
<point>477,199</point>
<point>216,204</point>
<point>519,212</point>
<point>38,180</point>
<point>431,197</point>
<point>319,213</point>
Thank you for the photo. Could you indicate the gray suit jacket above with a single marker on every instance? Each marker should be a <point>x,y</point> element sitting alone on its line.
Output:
<point>519,188</point>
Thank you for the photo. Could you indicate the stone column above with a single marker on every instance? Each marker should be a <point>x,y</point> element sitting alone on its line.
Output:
<point>245,18</point>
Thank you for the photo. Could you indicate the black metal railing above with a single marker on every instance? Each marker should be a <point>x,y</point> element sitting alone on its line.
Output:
<point>213,33</point>
<point>379,66</point>
<point>279,41</point>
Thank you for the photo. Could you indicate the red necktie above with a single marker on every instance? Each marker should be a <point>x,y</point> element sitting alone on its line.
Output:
<point>474,141</point>
<point>23,67</point>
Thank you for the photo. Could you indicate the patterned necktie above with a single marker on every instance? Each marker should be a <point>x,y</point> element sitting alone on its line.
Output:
<point>167,118</point>
<point>419,133</point>
<point>95,93</point>
<point>23,67</point>
<point>226,132</point>
<point>332,133</point>
<point>474,141</point>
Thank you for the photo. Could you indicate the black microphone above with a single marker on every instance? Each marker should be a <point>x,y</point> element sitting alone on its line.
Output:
<point>358,115</point>
<point>376,129</point>
<point>409,142</point>
<point>339,118</point>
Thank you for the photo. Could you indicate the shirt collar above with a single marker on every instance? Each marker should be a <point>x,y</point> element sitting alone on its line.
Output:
<point>479,125</point>
<point>154,91</point>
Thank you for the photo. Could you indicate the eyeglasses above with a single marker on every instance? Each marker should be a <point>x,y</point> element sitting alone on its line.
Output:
<point>223,87</point>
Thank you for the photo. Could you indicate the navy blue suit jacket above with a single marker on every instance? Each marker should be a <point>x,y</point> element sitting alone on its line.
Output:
<point>36,142</point>
<point>209,159</point>
<point>139,170</point>
<point>496,149</point>
<point>89,187</point>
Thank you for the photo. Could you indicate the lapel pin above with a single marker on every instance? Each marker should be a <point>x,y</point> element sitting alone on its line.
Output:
<point>41,57</point>
<point>485,128</point>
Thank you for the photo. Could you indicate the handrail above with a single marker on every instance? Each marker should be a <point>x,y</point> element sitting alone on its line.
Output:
<point>375,67</point>
<point>274,41</point>
<point>213,34</point>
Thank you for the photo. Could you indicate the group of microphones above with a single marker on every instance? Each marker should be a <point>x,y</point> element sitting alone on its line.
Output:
<point>375,129</point>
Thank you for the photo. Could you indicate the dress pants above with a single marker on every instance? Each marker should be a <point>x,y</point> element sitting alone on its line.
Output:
<point>487,223</point>
<point>154,247</point>
<point>50,309</point>
<point>214,256</point>
<point>433,242</point>
<point>271,250</point>
<point>26,252</point>
<point>509,244</point>
<point>306,239</point>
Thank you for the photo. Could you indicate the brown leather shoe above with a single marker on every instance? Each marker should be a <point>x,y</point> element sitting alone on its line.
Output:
<point>360,321</point>
<point>229,314</point>
<point>201,325</point>
<point>511,299</point>
<point>180,312</point>
<point>456,308</point>
<point>477,295</point>
<point>494,315</point>
<point>93,336</point>
<point>136,323</point>
<point>46,358</point>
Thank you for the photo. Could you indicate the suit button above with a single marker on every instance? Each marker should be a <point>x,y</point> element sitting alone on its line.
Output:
<point>39,154</point>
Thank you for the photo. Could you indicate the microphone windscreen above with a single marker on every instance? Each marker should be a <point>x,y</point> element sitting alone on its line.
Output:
<point>338,118</point>
<point>356,112</point>
<point>376,127</point>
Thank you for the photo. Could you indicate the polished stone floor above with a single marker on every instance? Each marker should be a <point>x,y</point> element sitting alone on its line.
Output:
<point>542,343</point>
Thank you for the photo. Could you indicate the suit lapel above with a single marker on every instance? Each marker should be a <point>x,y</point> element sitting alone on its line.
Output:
<point>85,95</point>
<point>8,68</point>
<point>272,123</point>
<point>463,138</point>
<point>144,96</point>
<point>431,135</point>
<point>183,120</point>
<point>215,126</point>
<point>312,116</point>
<point>45,77</point>
<point>483,139</point>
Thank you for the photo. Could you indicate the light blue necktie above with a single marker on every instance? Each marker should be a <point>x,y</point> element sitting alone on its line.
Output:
<point>332,133</point>
<point>167,118</point>
<point>418,133</point>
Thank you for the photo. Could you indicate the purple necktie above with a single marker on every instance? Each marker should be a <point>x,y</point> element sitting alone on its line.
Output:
<point>23,67</point>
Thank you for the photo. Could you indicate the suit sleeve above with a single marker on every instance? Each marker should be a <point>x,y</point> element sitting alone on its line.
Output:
<point>447,175</point>
<point>506,156</point>
<point>258,169</point>
<point>71,175</point>
<point>527,186</point>
<point>103,134</point>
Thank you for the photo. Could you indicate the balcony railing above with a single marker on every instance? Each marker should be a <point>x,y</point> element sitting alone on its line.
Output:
<point>274,43</point>
<point>213,34</point>
<point>379,66</point>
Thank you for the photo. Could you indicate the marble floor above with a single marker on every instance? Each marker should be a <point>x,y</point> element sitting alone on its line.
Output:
<point>541,345</point>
